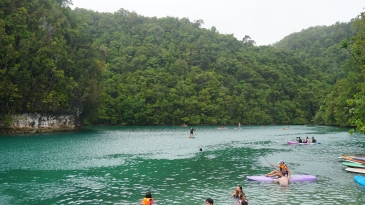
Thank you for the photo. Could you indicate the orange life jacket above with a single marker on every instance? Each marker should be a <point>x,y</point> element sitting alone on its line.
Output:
<point>284,169</point>
<point>148,201</point>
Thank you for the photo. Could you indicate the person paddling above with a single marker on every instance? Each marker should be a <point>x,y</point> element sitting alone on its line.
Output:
<point>284,170</point>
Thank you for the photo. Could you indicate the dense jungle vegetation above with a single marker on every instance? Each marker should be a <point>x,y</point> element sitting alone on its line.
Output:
<point>126,69</point>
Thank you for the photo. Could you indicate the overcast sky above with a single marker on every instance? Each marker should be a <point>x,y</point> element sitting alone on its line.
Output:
<point>265,21</point>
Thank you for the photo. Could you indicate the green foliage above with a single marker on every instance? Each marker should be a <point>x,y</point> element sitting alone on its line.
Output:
<point>47,62</point>
<point>170,71</point>
<point>125,69</point>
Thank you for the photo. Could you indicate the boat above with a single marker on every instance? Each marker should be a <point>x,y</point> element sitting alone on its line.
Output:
<point>293,178</point>
<point>356,170</point>
<point>360,179</point>
<point>351,164</point>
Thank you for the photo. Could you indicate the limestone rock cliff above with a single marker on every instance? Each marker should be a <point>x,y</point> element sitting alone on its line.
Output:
<point>38,123</point>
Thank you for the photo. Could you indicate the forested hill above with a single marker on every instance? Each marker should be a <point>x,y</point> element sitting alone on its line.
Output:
<point>327,49</point>
<point>126,69</point>
<point>319,47</point>
<point>171,71</point>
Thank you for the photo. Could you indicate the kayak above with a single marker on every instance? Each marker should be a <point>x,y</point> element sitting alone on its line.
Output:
<point>360,179</point>
<point>353,159</point>
<point>351,164</point>
<point>294,178</point>
<point>295,142</point>
<point>356,170</point>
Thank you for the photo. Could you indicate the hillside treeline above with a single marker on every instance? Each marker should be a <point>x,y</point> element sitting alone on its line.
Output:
<point>172,71</point>
<point>122,68</point>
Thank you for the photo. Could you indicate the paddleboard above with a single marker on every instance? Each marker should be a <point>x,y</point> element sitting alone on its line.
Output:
<point>351,164</point>
<point>360,179</point>
<point>356,170</point>
<point>294,178</point>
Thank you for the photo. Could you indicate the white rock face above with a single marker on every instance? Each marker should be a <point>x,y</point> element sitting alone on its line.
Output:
<point>37,123</point>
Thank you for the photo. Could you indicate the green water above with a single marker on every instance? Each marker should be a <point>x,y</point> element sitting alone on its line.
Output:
<point>117,165</point>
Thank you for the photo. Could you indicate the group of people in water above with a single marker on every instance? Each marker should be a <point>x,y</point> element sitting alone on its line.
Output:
<point>238,194</point>
<point>283,173</point>
<point>306,140</point>
<point>148,200</point>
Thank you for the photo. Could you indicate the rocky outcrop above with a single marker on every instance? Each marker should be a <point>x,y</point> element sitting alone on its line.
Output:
<point>38,123</point>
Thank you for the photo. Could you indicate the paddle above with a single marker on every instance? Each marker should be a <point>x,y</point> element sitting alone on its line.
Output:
<point>269,163</point>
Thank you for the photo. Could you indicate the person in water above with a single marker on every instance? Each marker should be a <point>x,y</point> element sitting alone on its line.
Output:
<point>314,140</point>
<point>201,149</point>
<point>147,200</point>
<point>243,200</point>
<point>284,170</point>
<point>283,181</point>
<point>237,192</point>
<point>192,132</point>
<point>209,201</point>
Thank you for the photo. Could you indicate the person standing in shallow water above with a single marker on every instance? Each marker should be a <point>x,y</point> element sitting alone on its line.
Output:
<point>191,133</point>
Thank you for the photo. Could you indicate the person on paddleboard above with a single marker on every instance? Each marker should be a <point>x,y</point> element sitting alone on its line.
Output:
<point>299,140</point>
<point>314,140</point>
<point>192,132</point>
<point>284,170</point>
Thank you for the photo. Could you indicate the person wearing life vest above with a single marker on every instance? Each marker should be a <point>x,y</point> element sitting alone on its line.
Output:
<point>284,170</point>
<point>147,200</point>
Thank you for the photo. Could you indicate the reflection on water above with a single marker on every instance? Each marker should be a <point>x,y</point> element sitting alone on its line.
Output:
<point>118,165</point>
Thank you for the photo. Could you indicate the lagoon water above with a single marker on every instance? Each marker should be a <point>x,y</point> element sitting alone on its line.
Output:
<point>118,165</point>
